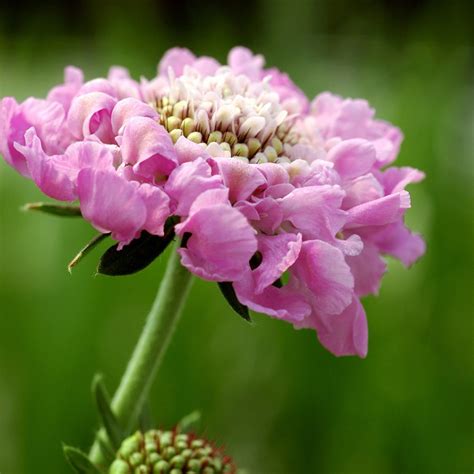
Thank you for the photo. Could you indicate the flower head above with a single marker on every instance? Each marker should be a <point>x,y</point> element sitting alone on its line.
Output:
<point>170,452</point>
<point>292,202</point>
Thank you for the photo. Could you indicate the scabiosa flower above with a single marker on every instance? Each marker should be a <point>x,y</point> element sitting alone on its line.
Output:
<point>158,451</point>
<point>293,203</point>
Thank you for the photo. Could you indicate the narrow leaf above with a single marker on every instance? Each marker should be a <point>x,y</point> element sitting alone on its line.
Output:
<point>145,419</point>
<point>189,422</point>
<point>85,250</point>
<point>228,291</point>
<point>137,255</point>
<point>107,417</point>
<point>79,461</point>
<point>63,210</point>
<point>105,448</point>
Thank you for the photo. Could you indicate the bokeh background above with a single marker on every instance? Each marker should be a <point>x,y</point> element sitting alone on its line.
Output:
<point>272,395</point>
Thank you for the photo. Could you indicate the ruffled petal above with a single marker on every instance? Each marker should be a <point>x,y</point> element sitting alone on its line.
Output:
<point>325,273</point>
<point>64,93</point>
<point>278,253</point>
<point>396,179</point>
<point>129,108</point>
<point>241,179</point>
<point>352,158</point>
<point>378,212</point>
<point>12,130</point>
<point>315,211</point>
<point>176,59</point>
<point>361,190</point>
<point>282,303</point>
<point>368,269</point>
<point>50,173</point>
<point>187,182</point>
<point>221,242</point>
<point>148,147</point>
<point>243,61</point>
<point>90,115</point>
<point>111,204</point>
<point>186,150</point>
<point>346,334</point>
<point>396,240</point>
<point>157,208</point>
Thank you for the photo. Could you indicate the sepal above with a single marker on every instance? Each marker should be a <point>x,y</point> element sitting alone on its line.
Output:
<point>79,461</point>
<point>227,289</point>
<point>137,255</point>
<point>62,210</point>
<point>114,432</point>
<point>85,250</point>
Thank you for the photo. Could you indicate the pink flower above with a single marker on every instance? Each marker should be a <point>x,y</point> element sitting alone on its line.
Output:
<point>290,202</point>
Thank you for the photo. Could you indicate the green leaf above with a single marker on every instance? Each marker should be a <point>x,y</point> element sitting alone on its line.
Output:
<point>105,448</point>
<point>85,250</point>
<point>189,422</point>
<point>145,419</point>
<point>228,291</point>
<point>79,461</point>
<point>107,417</point>
<point>63,210</point>
<point>137,255</point>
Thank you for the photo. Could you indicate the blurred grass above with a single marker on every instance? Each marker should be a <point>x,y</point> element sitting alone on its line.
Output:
<point>277,400</point>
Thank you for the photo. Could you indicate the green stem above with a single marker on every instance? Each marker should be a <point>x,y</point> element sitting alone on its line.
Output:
<point>134,387</point>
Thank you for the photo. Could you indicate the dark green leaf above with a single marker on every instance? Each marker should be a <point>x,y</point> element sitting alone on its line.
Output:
<point>63,210</point>
<point>107,417</point>
<point>137,255</point>
<point>105,448</point>
<point>79,461</point>
<point>145,419</point>
<point>229,294</point>
<point>85,250</point>
<point>189,422</point>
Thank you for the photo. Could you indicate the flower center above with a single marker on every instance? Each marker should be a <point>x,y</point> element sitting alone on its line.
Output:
<point>228,114</point>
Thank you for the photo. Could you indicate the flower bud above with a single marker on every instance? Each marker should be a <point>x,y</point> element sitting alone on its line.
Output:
<point>170,452</point>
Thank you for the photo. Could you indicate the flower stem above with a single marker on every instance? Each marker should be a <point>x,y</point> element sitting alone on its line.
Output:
<point>134,387</point>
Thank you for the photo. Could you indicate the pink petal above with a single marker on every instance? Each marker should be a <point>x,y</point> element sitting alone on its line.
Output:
<point>282,303</point>
<point>273,174</point>
<point>241,178</point>
<point>148,146</point>
<point>368,269</point>
<point>243,61</point>
<point>187,150</point>
<point>50,173</point>
<point>128,108</point>
<point>278,252</point>
<point>346,333</point>
<point>322,268</point>
<point>396,240</point>
<point>12,130</point>
<point>64,93</point>
<point>379,212</point>
<point>206,66</point>
<point>361,190</point>
<point>111,204</point>
<point>352,158</point>
<point>157,208</point>
<point>90,114</point>
<point>315,211</point>
<point>187,182</point>
<point>176,59</point>
<point>396,179</point>
<point>221,242</point>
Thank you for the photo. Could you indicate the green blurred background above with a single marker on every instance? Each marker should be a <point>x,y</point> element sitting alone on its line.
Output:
<point>278,401</point>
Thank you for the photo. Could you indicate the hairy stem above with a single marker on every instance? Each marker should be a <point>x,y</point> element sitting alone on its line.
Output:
<point>134,387</point>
